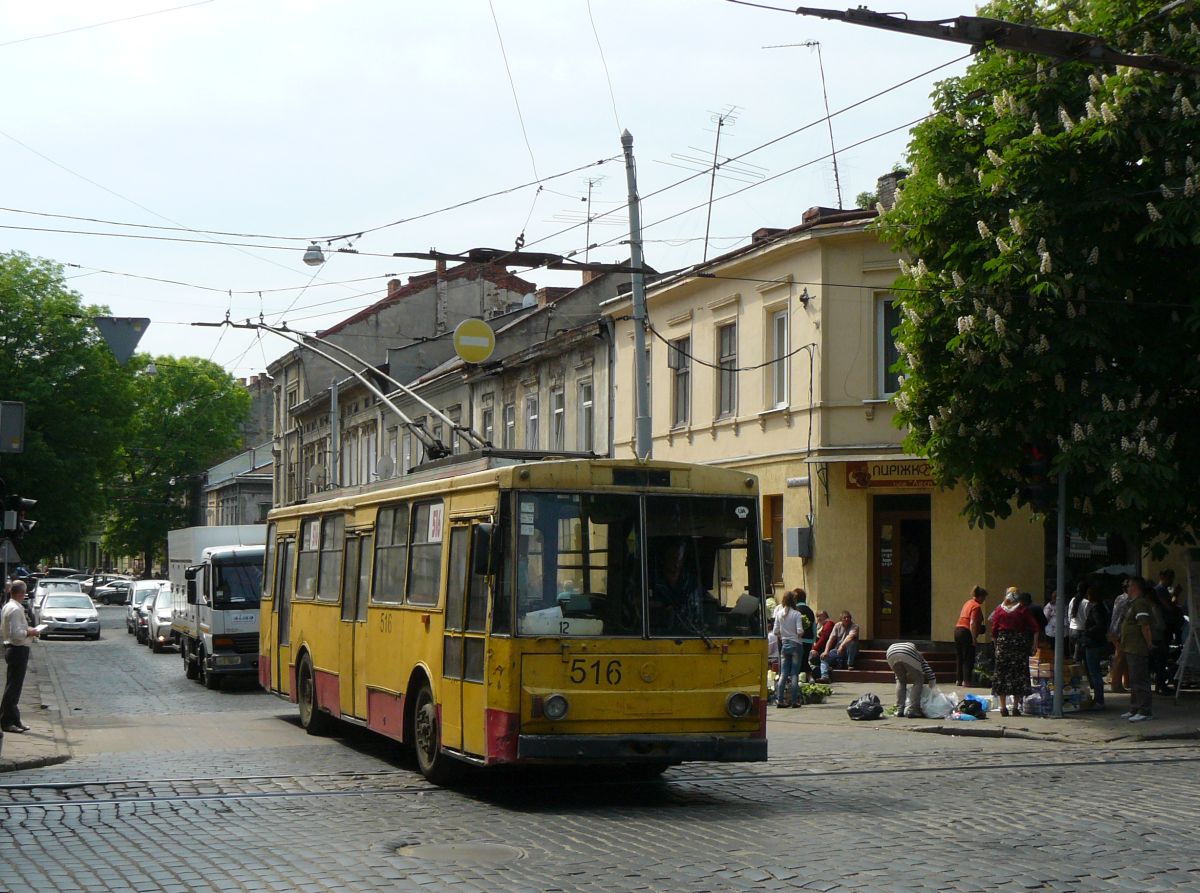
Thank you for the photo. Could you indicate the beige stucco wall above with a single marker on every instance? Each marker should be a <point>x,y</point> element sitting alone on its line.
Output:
<point>845,272</point>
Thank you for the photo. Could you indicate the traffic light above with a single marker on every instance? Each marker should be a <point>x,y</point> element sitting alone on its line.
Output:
<point>1036,486</point>
<point>16,525</point>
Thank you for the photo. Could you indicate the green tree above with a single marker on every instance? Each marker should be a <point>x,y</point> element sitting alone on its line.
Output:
<point>76,399</point>
<point>186,416</point>
<point>1052,220</point>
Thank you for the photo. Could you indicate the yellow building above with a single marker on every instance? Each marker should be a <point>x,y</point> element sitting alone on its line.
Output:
<point>774,359</point>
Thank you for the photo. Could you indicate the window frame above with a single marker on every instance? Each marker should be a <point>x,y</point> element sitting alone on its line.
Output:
<point>532,412</point>
<point>558,419</point>
<point>779,377</point>
<point>585,436</point>
<point>509,434</point>
<point>681,381</point>
<point>726,372</point>
<point>883,377</point>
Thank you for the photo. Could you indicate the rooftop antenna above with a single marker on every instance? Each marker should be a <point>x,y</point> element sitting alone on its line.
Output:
<point>837,180</point>
<point>587,218</point>
<point>717,165</point>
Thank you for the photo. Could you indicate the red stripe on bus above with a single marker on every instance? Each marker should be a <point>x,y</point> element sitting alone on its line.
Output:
<point>502,729</point>
<point>329,691</point>
<point>385,713</point>
<point>264,671</point>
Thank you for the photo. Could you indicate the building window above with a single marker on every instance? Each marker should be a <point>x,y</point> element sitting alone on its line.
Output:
<point>406,452</point>
<point>510,426</point>
<point>680,360</point>
<point>887,319</point>
<point>727,370</point>
<point>558,419</point>
<point>587,418</point>
<point>488,424</point>
<point>780,361</point>
<point>531,422</point>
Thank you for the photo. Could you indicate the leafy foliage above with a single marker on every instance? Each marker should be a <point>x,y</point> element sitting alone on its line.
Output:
<point>186,416</point>
<point>76,402</point>
<point>1053,215</point>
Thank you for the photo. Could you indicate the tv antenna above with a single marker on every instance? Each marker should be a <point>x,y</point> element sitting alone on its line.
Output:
<point>717,165</point>
<point>587,217</point>
<point>816,44</point>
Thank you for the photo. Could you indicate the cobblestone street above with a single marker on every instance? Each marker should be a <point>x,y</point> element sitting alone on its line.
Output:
<point>249,802</point>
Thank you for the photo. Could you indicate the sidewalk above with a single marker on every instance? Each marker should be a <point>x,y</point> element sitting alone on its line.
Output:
<point>1171,721</point>
<point>46,741</point>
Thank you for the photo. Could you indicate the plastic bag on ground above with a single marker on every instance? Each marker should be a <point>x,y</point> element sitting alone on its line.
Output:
<point>937,705</point>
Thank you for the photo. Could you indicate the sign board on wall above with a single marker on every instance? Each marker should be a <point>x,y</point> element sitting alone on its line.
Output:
<point>889,474</point>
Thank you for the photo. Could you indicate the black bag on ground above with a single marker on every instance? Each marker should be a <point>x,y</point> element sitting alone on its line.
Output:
<point>865,707</point>
<point>971,708</point>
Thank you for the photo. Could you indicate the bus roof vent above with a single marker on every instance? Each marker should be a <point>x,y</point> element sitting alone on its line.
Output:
<point>641,477</point>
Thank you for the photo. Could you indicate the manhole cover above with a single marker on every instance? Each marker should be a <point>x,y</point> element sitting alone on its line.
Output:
<point>462,853</point>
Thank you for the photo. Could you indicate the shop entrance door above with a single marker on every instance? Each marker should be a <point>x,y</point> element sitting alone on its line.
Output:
<point>903,583</point>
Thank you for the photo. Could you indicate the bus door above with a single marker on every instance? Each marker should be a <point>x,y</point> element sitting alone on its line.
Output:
<point>352,635</point>
<point>464,643</point>
<point>281,609</point>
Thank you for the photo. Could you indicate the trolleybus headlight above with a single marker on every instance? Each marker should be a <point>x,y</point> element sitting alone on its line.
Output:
<point>555,707</point>
<point>738,704</point>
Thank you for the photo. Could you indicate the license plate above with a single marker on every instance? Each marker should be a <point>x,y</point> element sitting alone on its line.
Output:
<point>227,661</point>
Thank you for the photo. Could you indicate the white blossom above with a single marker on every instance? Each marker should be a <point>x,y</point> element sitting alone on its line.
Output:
<point>1106,403</point>
<point>1060,383</point>
<point>965,324</point>
<point>1170,441</point>
<point>1108,113</point>
<point>1037,128</point>
<point>998,324</point>
<point>1093,257</point>
<point>904,267</point>
<point>1090,110</point>
<point>1046,267</point>
<point>1167,192</point>
<point>960,119</point>
<point>1115,474</point>
<point>1077,432</point>
<point>941,180</point>
<point>984,231</point>
<point>1065,118</point>
<point>1014,223</point>
<point>1094,83</point>
<point>956,277</point>
<point>1121,405</point>
<point>1070,310</point>
<point>1153,212</point>
<point>922,270</point>
<point>1001,245</point>
<point>994,158</point>
<point>1189,187</point>
<point>1043,346</point>
<point>1084,387</point>
<point>1185,106</point>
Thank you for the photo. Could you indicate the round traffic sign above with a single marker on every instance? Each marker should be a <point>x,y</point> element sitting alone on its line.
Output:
<point>474,340</point>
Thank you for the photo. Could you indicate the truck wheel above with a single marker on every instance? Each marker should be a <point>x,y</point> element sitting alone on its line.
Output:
<point>438,767</point>
<point>190,669</point>
<point>210,679</point>
<point>314,720</point>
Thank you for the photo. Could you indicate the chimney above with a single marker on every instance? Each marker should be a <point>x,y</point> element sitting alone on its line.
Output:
<point>394,285</point>
<point>885,187</point>
<point>589,275</point>
<point>763,233</point>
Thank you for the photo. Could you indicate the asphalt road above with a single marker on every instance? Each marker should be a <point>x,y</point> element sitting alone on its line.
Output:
<point>173,787</point>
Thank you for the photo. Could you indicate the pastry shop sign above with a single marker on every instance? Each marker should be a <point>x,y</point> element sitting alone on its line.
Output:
<point>889,474</point>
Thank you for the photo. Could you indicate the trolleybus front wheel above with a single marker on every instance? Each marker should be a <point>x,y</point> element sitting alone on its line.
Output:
<point>436,766</point>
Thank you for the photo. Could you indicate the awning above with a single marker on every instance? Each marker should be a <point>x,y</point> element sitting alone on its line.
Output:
<point>863,457</point>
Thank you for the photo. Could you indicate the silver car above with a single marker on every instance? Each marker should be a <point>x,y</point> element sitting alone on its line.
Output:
<point>158,621</point>
<point>50,585</point>
<point>138,592</point>
<point>69,614</point>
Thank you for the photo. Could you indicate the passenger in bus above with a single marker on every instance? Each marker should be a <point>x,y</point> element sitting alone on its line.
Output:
<point>678,601</point>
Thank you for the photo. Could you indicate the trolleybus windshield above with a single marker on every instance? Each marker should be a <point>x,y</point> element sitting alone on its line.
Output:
<point>626,565</point>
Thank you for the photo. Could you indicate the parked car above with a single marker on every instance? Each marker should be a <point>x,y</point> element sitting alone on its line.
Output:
<point>158,621</point>
<point>147,589</point>
<point>91,585</point>
<point>48,585</point>
<point>62,572</point>
<point>69,614</point>
<point>114,592</point>
<point>139,591</point>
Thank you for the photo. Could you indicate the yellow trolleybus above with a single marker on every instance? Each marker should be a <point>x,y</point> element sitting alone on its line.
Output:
<point>497,611</point>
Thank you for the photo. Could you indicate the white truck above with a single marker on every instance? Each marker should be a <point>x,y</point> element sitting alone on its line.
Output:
<point>216,585</point>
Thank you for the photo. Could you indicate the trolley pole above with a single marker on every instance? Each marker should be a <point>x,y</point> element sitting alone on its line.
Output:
<point>1061,600</point>
<point>641,374</point>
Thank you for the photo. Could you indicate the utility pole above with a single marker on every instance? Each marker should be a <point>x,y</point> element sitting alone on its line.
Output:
<point>1060,584</point>
<point>641,374</point>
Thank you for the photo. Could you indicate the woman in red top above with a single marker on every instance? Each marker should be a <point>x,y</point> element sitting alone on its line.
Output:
<point>824,631</point>
<point>1015,632</point>
<point>966,634</point>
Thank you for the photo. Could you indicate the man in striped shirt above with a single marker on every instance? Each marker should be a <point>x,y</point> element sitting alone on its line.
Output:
<point>912,673</point>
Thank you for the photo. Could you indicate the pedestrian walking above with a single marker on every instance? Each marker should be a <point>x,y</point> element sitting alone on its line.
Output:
<point>913,673</point>
<point>1095,644</point>
<point>14,627</point>
<point>788,629</point>
<point>1077,617</point>
<point>1015,633</point>
<point>1136,643</point>
<point>966,636</point>
<point>1119,675</point>
<point>808,628</point>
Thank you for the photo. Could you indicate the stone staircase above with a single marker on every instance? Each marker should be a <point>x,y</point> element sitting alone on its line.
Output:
<point>871,665</point>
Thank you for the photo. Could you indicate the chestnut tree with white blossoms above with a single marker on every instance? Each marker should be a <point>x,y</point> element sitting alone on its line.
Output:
<point>1052,221</point>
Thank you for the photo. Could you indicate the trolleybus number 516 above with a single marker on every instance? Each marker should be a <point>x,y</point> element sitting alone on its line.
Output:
<point>581,670</point>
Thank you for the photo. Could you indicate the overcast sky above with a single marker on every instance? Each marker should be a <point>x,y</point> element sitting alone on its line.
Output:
<point>314,118</point>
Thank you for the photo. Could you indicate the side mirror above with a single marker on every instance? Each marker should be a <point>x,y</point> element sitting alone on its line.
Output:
<point>481,549</point>
<point>191,591</point>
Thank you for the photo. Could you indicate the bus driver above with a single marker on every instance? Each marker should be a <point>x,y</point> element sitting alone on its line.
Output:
<point>677,600</point>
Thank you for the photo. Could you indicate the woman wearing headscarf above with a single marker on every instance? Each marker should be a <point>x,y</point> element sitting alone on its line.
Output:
<point>1015,633</point>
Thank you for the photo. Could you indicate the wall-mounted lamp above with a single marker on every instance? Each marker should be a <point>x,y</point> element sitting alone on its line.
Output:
<point>804,297</point>
<point>314,256</point>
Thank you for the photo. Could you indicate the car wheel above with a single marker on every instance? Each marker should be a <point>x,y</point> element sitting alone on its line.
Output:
<point>313,719</point>
<point>437,766</point>
<point>155,646</point>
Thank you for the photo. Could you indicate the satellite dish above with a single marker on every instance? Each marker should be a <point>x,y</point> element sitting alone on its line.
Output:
<point>386,468</point>
<point>529,300</point>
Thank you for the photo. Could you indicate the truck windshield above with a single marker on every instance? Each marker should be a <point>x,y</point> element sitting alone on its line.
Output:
<point>626,565</point>
<point>238,584</point>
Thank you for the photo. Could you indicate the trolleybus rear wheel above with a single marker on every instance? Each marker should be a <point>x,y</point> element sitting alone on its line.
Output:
<point>314,720</point>
<point>435,765</point>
